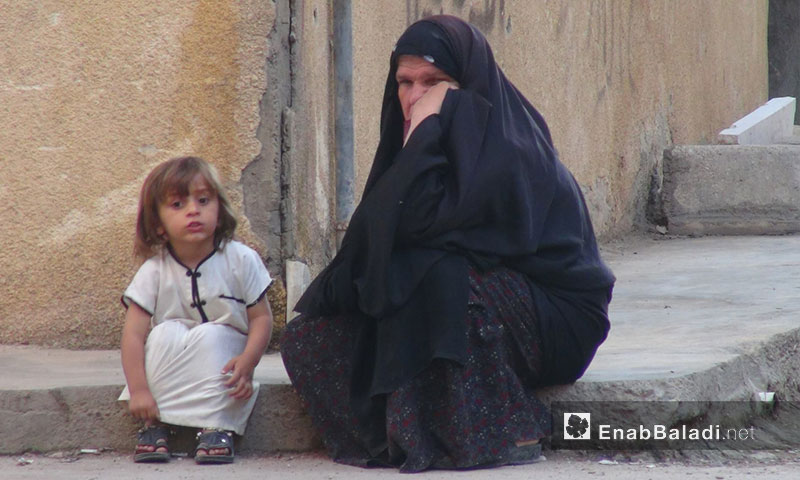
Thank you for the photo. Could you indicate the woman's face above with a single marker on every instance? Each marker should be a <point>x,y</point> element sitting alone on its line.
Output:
<point>415,76</point>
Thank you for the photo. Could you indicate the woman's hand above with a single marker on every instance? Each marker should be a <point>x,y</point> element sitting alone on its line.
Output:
<point>428,104</point>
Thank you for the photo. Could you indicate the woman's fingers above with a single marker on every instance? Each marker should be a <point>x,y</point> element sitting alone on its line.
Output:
<point>431,102</point>
<point>428,104</point>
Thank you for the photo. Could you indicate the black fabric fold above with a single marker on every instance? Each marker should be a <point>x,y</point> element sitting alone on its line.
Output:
<point>480,182</point>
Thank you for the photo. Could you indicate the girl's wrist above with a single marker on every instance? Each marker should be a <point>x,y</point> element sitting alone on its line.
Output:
<point>251,357</point>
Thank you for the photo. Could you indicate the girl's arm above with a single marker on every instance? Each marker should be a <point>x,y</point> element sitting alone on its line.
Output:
<point>259,317</point>
<point>142,405</point>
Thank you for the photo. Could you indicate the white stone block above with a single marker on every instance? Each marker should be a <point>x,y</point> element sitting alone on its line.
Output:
<point>298,277</point>
<point>768,124</point>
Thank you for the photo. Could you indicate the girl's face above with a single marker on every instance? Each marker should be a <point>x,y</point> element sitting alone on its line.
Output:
<point>415,76</point>
<point>189,222</point>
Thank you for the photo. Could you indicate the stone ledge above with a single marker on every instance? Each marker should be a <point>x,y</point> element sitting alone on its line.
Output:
<point>732,189</point>
<point>768,124</point>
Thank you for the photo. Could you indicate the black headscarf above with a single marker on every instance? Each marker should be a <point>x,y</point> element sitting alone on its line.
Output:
<point>480,182</point>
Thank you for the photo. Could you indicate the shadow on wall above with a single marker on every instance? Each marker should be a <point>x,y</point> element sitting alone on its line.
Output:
<point>783,40</point>
<point>483,16</point>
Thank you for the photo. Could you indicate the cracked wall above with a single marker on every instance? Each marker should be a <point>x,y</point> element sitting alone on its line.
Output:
<point>617,80</point>
<point>93,96</point>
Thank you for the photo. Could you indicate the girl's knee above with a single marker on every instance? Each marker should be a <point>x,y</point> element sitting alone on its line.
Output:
<point>167,332</point>
<point>210,335</point>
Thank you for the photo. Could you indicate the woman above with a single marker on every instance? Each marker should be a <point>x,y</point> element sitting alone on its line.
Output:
<point>468,277</point>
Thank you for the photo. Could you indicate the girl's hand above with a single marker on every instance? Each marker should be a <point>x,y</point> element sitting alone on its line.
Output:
<point>242,366</point>
<point>143,406</point>
<point>429,104</point>
<point>241,380</point>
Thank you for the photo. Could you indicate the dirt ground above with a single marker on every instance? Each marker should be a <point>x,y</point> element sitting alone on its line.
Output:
<point>559,465</point>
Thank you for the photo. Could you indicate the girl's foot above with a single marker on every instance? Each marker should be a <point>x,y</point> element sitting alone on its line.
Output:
<point>214,446</point>
<point>152,445</point>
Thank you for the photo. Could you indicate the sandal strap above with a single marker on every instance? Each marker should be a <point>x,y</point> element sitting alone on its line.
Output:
<point>154,435</point>
<point>218,438</point>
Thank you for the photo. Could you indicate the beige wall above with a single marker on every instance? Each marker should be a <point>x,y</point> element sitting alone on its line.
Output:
<point>312,178</point>
<point>617,80</point>
<point>93,95</point>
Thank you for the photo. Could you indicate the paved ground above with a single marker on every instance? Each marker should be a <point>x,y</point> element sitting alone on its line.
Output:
<point>308,466</point>
<point>680,306</point>
<point>685,305</point>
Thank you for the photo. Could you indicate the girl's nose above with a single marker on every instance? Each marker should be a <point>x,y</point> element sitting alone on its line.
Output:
<point>193,206</point>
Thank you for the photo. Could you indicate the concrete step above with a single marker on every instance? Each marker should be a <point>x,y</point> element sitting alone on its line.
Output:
<point>731,189</point>
<point>711,318</point>
<point>61,400</point>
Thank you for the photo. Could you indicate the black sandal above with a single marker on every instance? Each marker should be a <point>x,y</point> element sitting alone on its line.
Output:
<point>156,437</point>
<point>214,439</point>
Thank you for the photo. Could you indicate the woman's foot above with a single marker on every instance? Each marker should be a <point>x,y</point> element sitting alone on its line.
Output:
<point>214,446</point>
<point>526,451</point>
<point>152,444</point>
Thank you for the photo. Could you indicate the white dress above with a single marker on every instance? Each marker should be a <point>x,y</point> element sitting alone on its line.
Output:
<point>199,320</point>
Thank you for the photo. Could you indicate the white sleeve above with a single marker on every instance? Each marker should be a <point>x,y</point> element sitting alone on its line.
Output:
<point>255,277</point>
<point>143,290</point>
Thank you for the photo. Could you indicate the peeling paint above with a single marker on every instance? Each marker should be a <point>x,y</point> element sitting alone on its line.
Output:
<point>322,172</point>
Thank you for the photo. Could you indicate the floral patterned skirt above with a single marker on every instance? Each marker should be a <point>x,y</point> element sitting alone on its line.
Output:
<point>448,416</point>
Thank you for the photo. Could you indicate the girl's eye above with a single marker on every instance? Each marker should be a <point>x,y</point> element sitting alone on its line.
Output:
<point>203,200</point>
<point>176,204</point>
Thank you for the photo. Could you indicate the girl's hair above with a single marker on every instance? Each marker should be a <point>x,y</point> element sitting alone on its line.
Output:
<point>173,177</point>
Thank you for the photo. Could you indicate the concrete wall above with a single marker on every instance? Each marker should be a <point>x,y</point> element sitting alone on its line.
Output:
<point>617,80</point>
<point>309,232</point>
<point>94,94</point>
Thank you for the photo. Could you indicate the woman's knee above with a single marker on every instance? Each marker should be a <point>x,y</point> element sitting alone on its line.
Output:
<point>291,337</point>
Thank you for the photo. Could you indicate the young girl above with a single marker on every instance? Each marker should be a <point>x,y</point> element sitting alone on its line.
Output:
<point>197,319</point>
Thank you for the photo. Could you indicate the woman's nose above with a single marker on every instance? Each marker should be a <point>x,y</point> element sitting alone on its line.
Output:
<point>417,92</point>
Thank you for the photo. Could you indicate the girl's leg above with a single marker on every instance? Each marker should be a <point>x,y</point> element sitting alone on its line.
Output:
<point>184,367</point>
<point>152,444</point>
